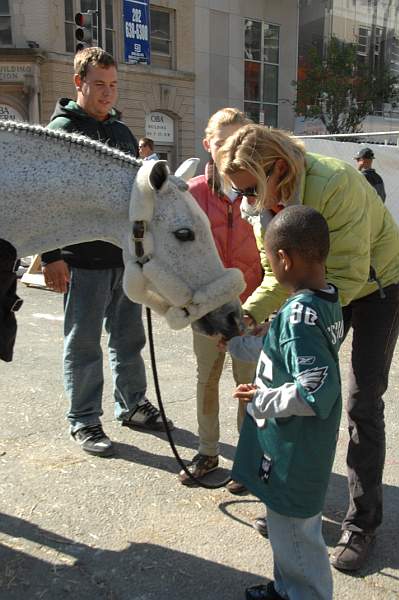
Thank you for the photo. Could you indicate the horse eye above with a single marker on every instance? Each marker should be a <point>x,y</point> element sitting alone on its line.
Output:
<point>184,234</point>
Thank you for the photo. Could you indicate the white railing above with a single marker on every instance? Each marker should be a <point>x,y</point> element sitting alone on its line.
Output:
<point>386,161</point>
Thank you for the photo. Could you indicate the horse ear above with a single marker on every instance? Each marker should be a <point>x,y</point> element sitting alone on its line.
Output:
<point>158,175</point>
<point>187,169</point>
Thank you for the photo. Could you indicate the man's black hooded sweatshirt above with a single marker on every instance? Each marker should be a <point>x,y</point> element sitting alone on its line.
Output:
<point>68,116</point>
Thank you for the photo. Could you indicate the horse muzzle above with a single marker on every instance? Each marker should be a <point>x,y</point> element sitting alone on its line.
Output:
<point>154,285</point>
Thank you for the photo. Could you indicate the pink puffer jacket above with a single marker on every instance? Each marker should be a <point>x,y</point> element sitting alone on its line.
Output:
<point>233,236</point>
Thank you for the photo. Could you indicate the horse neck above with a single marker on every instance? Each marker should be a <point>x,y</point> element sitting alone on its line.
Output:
<point>58,196</point>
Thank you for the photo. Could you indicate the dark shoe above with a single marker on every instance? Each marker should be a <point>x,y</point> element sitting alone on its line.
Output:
<point>93,440</point>
<point>352,550</point>
<point>260,524</point>
<point>146,417</point>
<point>262,592</point>
<point>200,466</point>
<point>235,487</point>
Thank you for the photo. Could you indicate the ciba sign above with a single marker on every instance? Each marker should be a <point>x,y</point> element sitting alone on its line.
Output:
<point>9,113</point>
<point>136,16</point>
<point>159,127</point>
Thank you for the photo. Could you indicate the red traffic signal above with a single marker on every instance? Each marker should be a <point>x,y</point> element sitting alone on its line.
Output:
<point>84,31</point>
<point>84,19</point>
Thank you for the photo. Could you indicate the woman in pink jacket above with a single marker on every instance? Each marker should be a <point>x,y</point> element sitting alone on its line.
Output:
<point>236,244</point>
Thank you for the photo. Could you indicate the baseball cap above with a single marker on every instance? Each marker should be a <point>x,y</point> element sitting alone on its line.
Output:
<point>364,153</point>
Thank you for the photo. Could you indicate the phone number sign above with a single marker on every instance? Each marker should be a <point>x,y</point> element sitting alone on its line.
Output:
<point>136,16</point>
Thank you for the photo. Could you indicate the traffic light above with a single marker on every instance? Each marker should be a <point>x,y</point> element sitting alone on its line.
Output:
<point>84,30</point>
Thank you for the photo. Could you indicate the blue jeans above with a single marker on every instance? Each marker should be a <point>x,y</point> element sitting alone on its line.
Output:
<point>301,566</point>
<point>95,297</point>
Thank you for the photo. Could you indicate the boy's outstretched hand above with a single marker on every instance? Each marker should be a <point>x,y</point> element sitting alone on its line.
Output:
<point>245,392</point>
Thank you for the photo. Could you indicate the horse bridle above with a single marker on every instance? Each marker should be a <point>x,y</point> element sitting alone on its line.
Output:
<point>139,229</point>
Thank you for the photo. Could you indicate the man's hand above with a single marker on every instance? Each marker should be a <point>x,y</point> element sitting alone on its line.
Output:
<point>245,392</point>
<point>56,276</point>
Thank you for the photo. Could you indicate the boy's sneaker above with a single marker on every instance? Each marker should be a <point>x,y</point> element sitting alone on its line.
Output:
<point>146,417</point>
<point>93,440</point>
<point>200,466</point>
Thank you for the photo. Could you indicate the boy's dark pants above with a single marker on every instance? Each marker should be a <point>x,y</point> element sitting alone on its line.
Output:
<point>375,323</point>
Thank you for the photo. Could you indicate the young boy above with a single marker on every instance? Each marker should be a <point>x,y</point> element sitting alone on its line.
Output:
<point>288,439</point>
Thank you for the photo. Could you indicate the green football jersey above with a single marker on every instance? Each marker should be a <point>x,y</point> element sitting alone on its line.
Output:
<point>287,443</point>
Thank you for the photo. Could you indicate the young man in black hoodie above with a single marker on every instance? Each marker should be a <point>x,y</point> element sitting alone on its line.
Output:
<point>90,276</point>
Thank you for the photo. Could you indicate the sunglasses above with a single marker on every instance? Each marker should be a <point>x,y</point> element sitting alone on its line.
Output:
<point>252,192</point>
<point>249,191</point>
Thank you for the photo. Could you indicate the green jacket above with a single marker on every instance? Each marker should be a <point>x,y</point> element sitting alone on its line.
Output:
<point>363,234</point>
<point>297,407</point>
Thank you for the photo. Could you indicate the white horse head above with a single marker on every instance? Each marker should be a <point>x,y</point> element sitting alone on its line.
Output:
<point>171,233</point>
<point>58,188</point>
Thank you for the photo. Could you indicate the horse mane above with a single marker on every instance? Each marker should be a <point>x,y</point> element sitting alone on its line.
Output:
<point>69,138</point>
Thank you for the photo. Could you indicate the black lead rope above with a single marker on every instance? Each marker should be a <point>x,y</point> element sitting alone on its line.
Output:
<point>199,482</point>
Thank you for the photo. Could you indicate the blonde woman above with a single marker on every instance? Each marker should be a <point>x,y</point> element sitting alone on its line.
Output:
<point>236,244</point>
<point>272,170</point>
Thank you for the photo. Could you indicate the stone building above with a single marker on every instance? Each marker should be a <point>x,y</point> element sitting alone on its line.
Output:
<point>201,55</point>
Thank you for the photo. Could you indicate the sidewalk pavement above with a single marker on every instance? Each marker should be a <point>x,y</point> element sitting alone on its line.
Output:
<point>123,528</point>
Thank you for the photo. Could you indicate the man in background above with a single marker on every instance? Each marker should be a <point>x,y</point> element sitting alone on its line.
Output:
<point>364,159</point>
<point>146,149</point>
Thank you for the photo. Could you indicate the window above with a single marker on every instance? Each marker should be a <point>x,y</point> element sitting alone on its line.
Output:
<point>5,23</point>
<point>378,40</point>
<point>261,52</point>
<point>162,36</point>
<point>363,41</point>
<point>103,30</point>
<point>395,56</point>
<point>70,41</point>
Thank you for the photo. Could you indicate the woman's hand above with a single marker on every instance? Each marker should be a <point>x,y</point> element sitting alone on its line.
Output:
<point>245,392</point>
<point>261,329</point>
<point>249,322</point>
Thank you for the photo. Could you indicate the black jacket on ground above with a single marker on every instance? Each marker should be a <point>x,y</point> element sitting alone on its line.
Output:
<point>69,116</point>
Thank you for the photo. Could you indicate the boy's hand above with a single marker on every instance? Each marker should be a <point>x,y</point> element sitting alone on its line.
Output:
<point>222,344</point>
<point>245,392</point>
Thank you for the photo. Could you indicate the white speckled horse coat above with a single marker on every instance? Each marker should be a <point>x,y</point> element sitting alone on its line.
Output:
<point>58,189</point>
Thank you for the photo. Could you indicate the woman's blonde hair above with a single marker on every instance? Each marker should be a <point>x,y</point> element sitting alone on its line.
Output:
<point>256,149</point>
<point>222,118</point>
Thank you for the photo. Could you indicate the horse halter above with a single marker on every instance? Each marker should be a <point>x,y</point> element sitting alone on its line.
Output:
<point>139,229</point>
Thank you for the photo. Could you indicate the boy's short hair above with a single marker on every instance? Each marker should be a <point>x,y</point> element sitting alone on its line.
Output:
<point>147,142</point>
<point>97,57</point>
<point>301,229</point>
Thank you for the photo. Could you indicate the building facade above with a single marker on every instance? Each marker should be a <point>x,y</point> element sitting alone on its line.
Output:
<point>246,56</point>
<point>373,26</point>
<point>200,56</point>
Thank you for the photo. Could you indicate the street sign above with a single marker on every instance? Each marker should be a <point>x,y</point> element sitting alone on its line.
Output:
<point>136,16</point>
<point>159,127</point>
